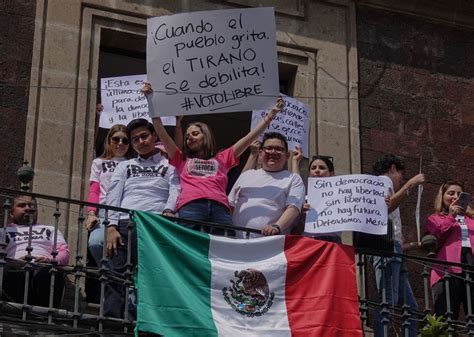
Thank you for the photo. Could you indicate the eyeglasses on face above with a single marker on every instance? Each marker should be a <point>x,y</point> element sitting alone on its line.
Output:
<point>142,136</point>
<point>273,149</point>
<point>117,140</point>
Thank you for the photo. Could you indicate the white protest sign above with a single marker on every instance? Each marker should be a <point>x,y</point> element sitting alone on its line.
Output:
<point>123,101</point>
<point>213,61</point>
<point>292,121</point>
<point>348,203</point>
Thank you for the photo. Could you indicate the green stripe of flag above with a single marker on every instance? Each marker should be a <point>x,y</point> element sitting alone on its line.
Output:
<point>174,297</point>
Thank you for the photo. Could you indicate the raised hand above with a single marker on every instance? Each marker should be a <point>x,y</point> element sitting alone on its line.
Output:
<point>147,89</point>
<point>297,154</point>
<point>255,147</point>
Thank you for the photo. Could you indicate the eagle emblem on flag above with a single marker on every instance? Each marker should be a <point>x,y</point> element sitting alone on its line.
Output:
<point>249,293</point>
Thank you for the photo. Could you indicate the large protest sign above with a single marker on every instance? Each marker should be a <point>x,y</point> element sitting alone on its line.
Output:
<point>123,101</point>
<point>292,121</point>
<point>213,61</point>
<point>348,203</point>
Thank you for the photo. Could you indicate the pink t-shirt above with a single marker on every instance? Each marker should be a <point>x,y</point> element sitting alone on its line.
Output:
<point>204,179</point>
<point>42,241</point>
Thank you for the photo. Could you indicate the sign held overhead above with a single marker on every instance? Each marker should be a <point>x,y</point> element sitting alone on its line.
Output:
<point>213,61</point>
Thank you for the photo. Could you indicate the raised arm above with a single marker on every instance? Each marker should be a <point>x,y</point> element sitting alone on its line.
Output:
<point>397,198</point>
<point>178,133</point>
<point>253,156</point>
<point>166,140</point>
<point>297,155</point>
<point>244,142</point>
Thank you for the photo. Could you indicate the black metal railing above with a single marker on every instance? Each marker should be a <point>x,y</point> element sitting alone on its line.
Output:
<point>73,314</point>
<point>396,317</point>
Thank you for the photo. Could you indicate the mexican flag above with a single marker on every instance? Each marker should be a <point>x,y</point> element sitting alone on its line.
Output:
<point>194,284</point>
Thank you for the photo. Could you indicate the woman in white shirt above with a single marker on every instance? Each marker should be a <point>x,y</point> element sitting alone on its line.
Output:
<point>116,149</point>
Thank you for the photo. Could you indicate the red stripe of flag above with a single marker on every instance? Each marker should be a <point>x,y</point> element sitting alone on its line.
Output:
<point>321,290</point>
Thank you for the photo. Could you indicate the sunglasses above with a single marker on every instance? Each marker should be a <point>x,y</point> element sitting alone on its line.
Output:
<point>117,140</point>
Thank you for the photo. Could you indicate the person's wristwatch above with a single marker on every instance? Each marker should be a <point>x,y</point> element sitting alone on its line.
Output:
<point>277,226</point>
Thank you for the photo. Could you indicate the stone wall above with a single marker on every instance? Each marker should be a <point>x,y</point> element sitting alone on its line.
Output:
<point>416,81</point>
<point>17,24</point>
<point>417,98</point>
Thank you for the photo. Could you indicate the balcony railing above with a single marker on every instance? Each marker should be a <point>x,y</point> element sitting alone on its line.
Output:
<point>73,314</point>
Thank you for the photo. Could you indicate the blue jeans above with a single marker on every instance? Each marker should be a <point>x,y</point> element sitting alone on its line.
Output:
<point>96,242</point>
<point>397,289</point>
<point>207,211</point>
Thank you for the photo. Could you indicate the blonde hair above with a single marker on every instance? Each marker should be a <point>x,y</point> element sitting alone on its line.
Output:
<point>439,204</point>
<point>108,151</point>
<point>209,144</point>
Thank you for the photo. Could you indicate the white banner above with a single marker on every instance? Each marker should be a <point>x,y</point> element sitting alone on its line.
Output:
<point>348,203</point>
<point>123,101</point>
<point>213,61</point>
<point>292,121</point>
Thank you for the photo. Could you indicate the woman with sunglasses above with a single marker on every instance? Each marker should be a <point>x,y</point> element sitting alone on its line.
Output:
<point>203,170</point>
<point>116,149</point>
<point>319,167</point>
<point>453,225</point>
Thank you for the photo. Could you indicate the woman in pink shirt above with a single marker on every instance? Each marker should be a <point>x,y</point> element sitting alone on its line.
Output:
<point>453,226</point>
<point>202,169</point>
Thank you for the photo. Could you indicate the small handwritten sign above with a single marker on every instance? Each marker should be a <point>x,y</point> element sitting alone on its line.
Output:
<point>292,121</point>
<point>348,203</point>
<point>123,101</point>
<point>213,61</point>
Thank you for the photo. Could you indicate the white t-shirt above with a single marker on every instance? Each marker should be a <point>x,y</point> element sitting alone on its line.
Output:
<point>396,220</point>
<point>260,197</point>
<point>150,185</point>
<point>101,172</point>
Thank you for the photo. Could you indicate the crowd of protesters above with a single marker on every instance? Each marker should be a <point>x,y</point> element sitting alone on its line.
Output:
<point>143,168</point>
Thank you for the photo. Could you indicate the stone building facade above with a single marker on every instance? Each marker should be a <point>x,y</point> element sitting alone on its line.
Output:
<point>416,95</point>
<point>379,76</point>
<point>17,26</point>
<point>416,99</point>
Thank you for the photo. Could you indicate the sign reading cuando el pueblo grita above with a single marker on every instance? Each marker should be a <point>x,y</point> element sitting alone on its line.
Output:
<point>292,121</point>
<point>213,61</point>
<point>123,101</point>
<point>348,203</point>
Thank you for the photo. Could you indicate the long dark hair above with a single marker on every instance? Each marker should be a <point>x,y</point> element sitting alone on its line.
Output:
<point>326,159</point>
